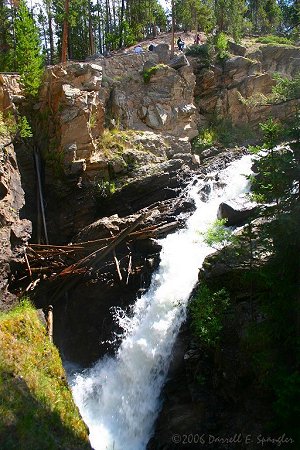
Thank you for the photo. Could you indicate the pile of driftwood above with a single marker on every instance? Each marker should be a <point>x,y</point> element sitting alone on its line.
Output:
<point>64,264</point>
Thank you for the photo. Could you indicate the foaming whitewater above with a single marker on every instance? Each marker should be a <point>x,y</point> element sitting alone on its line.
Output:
<point>119,397</point>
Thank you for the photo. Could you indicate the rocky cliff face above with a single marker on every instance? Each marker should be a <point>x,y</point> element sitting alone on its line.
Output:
<point>103,123</point>
<point>234,90</point>
<point>14,231</point>
<point>81,99</point>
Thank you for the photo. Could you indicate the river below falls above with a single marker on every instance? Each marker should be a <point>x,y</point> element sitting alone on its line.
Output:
<point>119,397</point>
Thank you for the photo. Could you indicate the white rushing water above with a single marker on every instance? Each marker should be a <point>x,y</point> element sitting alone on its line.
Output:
<point>119,397</point>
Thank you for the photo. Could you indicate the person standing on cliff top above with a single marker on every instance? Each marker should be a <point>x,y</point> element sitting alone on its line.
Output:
<point>180,44</point>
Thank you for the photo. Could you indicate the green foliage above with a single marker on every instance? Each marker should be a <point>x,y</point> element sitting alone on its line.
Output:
<point>29,61</point>
<point>104,189</point>
<point>147,74</point>
<point>36,409</point>
<point>287,403</point>
<point>271,132</point>
<point>205,139</point>
<point>203,52</point>
<point>15,130</point>
<point>222,133</point>
<point>277,170</point>
<point>6,37</point>
<point>113,142</point>
<point>128,34</point>
<point>218,235</point>
<point>207,310</point>
<point>274,342</point>
<point>265,15</point>
<point>191,14</point>
<point>230,17</point>
<point>285,88</point>
<point>275,40</point>
<point>221,45</point>
<point>24,128</point>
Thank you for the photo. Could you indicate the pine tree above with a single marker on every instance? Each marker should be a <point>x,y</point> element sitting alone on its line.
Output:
<point>7,12</point>
<point>28,57</point>
<point>265,15</point>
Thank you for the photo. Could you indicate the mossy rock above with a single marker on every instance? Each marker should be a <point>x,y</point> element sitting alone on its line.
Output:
<point>37,410</point>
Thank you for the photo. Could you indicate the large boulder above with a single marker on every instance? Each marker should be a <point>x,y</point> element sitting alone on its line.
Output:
<point>179,61</point>
<point>163,52</point>
<point>236,212</point>
<point>236,49</point>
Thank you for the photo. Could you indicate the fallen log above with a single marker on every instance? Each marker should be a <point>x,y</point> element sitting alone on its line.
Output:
<point>92,260</point>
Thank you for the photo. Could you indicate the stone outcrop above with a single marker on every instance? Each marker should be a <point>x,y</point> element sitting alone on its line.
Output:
<point>237,212</point>
<point>81,99</point>
<point>103,123</point>
<point>69,100</point>
<point>165,104</point>
<point>236,89</point>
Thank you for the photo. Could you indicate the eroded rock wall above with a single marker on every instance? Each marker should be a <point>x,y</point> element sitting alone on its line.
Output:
<point>14,231</point>
<point>99,123</point>
<point>234,90</point>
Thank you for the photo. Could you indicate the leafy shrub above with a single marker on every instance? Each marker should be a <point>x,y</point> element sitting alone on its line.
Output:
<point>286,89</point>
<point>218,235</point>
<point>15,130</point>
<point>207,309</point>
<point>104,189</point>
<point>224,133</point>
<point>221,45</point>
<point>272,39</point>
<point>205,139</point>
<point>202,51</point>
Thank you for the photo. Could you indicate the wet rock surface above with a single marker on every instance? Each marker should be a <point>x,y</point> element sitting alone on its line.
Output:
<point>236,212</point>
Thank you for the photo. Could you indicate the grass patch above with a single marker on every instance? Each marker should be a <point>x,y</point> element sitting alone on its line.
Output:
<point>36,408</point>
<point>222,133</point>
<point>277,40</point>
<point>114,142</point>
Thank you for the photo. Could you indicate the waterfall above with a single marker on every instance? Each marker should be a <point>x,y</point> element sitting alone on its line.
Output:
<point>119,398</point>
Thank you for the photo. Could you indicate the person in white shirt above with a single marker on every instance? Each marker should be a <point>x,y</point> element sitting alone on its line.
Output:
<point>138,49</point>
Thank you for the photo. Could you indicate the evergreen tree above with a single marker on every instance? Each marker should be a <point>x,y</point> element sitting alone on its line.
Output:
<point>194,15</point>
<point>230,17</point>
<point>265,15</point>
<point>7,38</point>
<point>28,57</point>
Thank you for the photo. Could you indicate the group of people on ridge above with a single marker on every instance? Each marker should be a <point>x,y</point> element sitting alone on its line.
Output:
<point>180,44</point>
